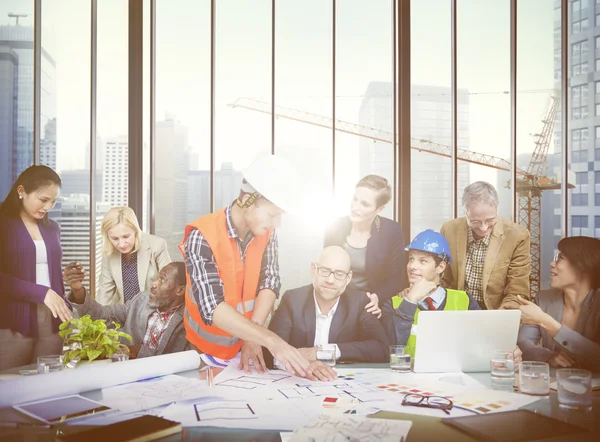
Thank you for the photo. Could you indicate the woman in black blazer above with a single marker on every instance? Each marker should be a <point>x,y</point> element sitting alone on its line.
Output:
<point>375,244</point>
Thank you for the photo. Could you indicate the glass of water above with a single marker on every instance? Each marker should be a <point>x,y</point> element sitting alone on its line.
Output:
<point>400,358</point>
<point>327,355</point>
<point>534,378</point>
<point>574,388</point>
<point>49,363</point>
<point>502,369</point>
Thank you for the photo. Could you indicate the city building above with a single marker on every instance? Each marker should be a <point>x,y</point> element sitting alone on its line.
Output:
<point>171,182</point>
<point>584,124</point>
<point>77,181</point>
<point>73,215</point>
<point>115,182</point>
<point>431,121</point>
<point>16,102</point>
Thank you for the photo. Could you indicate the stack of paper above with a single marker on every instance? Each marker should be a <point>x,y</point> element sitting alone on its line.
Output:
<point>352,428</point>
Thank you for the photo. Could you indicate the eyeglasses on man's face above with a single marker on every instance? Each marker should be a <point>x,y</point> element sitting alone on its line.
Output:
<point>490,222</point>
<point>558,257</point>
<point>326,271</point>
<point>436,402</point>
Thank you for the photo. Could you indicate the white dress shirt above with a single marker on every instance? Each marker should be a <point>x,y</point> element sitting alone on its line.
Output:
<point>323,324</point>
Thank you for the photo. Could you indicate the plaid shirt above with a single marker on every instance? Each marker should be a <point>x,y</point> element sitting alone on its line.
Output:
<point>476,250</point>
<point>157,324</point>
<point>207,286</point>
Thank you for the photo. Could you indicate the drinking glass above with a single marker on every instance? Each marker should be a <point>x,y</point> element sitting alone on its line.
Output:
<point>574,388</point>
<point>49,363</point>
<point>534,378</point>
<point>502,370</point>
<point>400,358</point>
<point>327,355</point>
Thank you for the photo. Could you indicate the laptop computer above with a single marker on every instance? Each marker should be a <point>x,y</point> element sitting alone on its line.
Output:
<point>452,341</point>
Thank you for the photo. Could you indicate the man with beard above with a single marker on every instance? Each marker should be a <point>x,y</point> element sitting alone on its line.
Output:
<point>326,314</point>
<point>154,320</point>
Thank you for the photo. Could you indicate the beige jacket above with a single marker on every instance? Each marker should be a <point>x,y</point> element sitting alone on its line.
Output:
<point>507,262</point>
<point>151,257</point>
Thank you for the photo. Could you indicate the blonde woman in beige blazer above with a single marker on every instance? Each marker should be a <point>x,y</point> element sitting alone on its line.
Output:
<point>132,259</point>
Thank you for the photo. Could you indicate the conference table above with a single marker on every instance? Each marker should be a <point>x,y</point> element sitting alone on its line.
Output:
<point>424,428</point>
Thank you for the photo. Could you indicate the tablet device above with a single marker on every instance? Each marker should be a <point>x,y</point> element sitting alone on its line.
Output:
<point>55,411</point>
<point>450,341</point>
<point>513,426</point>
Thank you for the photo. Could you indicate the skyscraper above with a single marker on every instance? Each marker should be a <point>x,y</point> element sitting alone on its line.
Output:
<point>77,181</point>
<point>431,179</point>
<point>48,145</point>
<point>16,104</point>
<point>74,219</point>
<point>171,182</point>
<point>9,65</point>
<point>116,171</point>
<point>584,136</point>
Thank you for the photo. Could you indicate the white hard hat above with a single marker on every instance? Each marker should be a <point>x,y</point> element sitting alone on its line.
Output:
<point>275,178</point>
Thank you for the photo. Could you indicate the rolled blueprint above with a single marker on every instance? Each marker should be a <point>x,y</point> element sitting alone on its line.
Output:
<point>92,377</point>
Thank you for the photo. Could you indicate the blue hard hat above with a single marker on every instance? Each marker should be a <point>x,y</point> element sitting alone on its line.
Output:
<point>432,242</point>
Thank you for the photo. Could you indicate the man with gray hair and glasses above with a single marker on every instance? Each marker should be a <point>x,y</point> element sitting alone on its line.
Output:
<point>492,257</point>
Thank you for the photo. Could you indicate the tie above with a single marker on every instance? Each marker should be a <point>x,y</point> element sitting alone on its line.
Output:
<point>429,302</point>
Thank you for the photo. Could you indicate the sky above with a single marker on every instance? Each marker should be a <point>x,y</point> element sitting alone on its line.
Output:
<point>303,71</point>
<point>303,67</point>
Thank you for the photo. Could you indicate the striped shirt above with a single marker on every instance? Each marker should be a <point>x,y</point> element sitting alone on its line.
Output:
<point>476,250</point>
<point>207,286</point>
<point>129,272</point>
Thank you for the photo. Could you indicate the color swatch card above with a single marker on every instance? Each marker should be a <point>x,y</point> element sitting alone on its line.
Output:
<point>492,401</point>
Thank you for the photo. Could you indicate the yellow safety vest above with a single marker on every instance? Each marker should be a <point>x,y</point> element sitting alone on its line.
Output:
<point>455,300</point>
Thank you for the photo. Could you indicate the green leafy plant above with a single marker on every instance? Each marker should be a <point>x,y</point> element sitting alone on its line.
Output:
<point>91,340</point>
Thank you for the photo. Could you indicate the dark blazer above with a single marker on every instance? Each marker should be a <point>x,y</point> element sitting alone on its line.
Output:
<point>385,265</point>
<point>133,318</point>
<point>19,292</point>
<point>358,334</point>
<point>583,343</point>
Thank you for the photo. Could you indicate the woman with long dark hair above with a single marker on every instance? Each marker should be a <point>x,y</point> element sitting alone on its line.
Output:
<point>32,302</point>
<point>562,325</point>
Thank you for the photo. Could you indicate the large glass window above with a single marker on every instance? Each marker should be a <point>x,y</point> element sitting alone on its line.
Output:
<point>431,123</point>
<point>182,150</point>
<point>303,88</point>
<point>65,126</point>
<point>483,85</point>
<point>16,90</point>
<point>112,115</point>
<point>363,95</point>
<point>242,70</point>
<point>538,128</point>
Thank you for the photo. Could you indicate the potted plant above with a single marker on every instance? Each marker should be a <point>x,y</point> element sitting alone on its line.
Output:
<point>90,340</point>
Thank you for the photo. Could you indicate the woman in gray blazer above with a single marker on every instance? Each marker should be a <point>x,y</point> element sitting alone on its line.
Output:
<point>132,259</point>
<point>566,318</point>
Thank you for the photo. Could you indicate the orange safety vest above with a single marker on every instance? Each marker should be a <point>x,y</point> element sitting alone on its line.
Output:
<point>240,281</point>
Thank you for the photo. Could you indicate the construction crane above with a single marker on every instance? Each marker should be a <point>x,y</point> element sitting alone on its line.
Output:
<point>17,17</point>
<point>530,183</point>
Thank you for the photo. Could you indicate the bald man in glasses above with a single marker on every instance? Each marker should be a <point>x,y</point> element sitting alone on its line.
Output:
<point>328,315</point>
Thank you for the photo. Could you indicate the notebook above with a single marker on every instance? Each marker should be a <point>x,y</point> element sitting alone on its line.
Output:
<point>140,429</point>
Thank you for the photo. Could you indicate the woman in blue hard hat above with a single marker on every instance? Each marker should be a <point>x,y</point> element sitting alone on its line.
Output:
<point>428,256</point>
<point>375,244</point>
